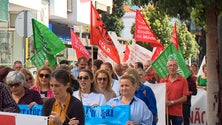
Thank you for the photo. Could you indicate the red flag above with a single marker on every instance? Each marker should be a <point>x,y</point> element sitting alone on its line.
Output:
<point>100,37</point>
<point>157,52</point>
<point>127,53</point>
<point>143,32</point>
<point>78,46</point>
<point>174,38</point>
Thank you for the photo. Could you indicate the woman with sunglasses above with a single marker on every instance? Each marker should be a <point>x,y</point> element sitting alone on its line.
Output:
<point>103,80</point>
<point>88,92</point>
<point>29,78</point>
<point>63,108</point>
<point>21,94</point>
<point>42,83</point>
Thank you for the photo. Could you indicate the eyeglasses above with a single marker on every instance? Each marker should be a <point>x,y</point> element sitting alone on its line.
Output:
<point>83,78</point>
<point>172,65</point>
<point>42,75</point>
<point>15,85</point>
<point>29,79</point>
<point>100,79</point>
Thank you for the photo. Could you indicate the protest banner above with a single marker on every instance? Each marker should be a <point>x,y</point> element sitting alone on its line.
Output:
<point>198,108</point>
<point>159,91</point>
<point>35,110</point>
<point>107,115</point>
<point>21,119</point>
<point>138,54</point>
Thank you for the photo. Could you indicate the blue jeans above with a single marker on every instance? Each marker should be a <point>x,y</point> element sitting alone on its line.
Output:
<point>175,120</point>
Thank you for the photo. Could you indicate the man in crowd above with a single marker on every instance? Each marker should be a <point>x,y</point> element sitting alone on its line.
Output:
<point>17,65</point>
<point>177,92</point>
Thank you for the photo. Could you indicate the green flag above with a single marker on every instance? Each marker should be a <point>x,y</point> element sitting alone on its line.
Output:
<point>39,58</point>
<point>160,64</point>
<point>46,43</point>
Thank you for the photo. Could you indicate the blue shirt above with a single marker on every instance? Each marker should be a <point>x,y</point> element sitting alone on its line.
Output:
<point>75,72</point>
<point>139,112</point>
<point>146,94</point>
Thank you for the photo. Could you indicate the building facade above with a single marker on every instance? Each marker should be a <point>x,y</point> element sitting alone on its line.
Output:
<point>16,42</point>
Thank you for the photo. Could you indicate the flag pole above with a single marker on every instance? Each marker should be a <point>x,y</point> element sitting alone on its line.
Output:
<point>91,36</point>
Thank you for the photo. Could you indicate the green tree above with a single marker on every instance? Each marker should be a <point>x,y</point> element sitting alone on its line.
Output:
<point>113,22</point>
<point>206,13</point>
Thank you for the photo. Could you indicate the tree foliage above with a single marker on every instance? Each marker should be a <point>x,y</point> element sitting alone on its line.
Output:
<point>162,26</point>
<point>113,22</point>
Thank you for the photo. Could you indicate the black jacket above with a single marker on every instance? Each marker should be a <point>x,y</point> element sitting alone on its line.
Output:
<point>75,109</point>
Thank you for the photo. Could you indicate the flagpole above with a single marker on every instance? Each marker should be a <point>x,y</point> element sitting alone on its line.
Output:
<point>91,36</point>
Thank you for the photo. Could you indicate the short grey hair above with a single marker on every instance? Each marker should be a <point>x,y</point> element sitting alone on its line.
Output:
<point>15,77</point>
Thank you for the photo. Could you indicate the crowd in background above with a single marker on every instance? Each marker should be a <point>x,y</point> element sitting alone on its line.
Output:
<point>63,90</point>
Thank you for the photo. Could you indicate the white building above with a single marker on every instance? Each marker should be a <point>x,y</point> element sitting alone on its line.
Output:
<point>59,15</point>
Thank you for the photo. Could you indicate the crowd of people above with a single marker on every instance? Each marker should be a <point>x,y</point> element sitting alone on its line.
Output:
<point>64,90</point>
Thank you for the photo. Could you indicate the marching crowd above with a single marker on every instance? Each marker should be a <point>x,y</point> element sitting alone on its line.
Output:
<point>64,90</point>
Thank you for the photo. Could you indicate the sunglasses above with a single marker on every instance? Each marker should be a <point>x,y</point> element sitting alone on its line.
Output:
<point>102,79</point>
<point>44,75</point>
<point>83,78</point>
<point>29,79</point>
<point>15,85</point>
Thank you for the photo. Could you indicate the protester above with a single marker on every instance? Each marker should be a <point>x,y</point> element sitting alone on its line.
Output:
<point>63,108</point>
<point>177,92</point>
<point>115,82</point>
<point>46,63</point>
<point>144,93</point>
<point>186,105</point>
<point>124,67</point>
<point>118,70</point>
<point>74,84</point>
<point>64,62</point>
<point>138,65</point>
<point>7,103</point>
<point>29,78</point>
<point>81,64</point>
<point>103,80</point>
<point>89,64</point>
<point>21,94</point>
<point>151,75</point>
<point>194,69</point>
<point>4,70</point>
<point>42,83</point>
<point>17,65</point>
<point>88,92</point>
<point>139,112</point>
<point>142,75</point>
<point>96,65</point>
<point>202,79</point>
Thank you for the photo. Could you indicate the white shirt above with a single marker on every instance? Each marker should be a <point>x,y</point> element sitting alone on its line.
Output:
<point>91,98</point>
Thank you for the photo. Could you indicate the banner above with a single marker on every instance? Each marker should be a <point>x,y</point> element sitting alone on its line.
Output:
<point>160,64</point>
<point>21,119</point>
<point>159,91</point>
<point>198,108</point>
<point>107,115</point>
<point>138,54</point>
<point>35,110</point>
<point>117,115</point>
